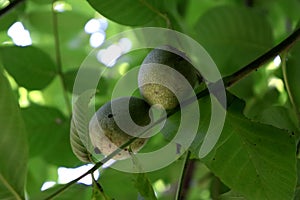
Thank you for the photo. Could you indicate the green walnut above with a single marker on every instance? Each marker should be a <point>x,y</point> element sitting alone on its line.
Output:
<point>160,80</point>
<point>118,121</point>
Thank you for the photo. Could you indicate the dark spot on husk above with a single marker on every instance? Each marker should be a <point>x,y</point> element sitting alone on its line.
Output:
<point>96,150</point>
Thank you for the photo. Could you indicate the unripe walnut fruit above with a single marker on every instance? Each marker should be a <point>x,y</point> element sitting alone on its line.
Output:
<point>109,126</point>
<point>157,78</point>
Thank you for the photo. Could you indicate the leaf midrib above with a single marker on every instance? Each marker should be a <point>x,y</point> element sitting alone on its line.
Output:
<point>10,188</point>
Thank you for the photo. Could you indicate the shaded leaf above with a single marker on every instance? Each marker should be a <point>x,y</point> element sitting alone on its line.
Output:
<point>77,146</point>
<point>297,192</point>
<point>266,109</point>
<point>279,12</point>
<point>292,75</point>
<point>195,9</point>
<point>79,136</point>
<point>53,97</point>
<point>31,67</point>
<point>258,104</point>
<point>48,133</point>
<point>37,19</point>
<point>114,182</point>
<point>217,188</point>
<point>279,117</point>
<point>231,195</point>
<point>11,17</point>
<point>127,12</point>
<point>233,36</point>
<point>13,145</point>
<point>143,184</point>
<point>83,82</point>
<point>74,42</point>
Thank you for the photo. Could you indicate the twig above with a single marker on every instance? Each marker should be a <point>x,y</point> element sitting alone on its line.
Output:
<point>185,178</point>
<point>182,175</point>
<point>229,81</point>
<point>10,6</point>
<point>99,187</point>
<point>288,89</point>
<point>58,60</point>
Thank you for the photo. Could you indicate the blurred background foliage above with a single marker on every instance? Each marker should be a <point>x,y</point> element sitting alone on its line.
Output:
<point>44,42</point>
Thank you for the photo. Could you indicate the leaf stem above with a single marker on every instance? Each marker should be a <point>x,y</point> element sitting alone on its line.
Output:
<point>58,59</point>
<point>185,177</point>
<point>228,81</point>
<point>10,6</point>
<point>98,186</point>
<point>10,188</point>
<point>288,89</point>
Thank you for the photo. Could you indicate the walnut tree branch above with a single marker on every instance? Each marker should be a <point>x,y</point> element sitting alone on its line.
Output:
<point>228,81</point>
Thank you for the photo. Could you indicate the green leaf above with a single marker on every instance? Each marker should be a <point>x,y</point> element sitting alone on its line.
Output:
<point>114,182</point>
<point>98,193</point>
<point>37,19</point>
<point>279,117</point>
<point>233,36</point>
<point>256,160</point>
<point>13,145</point>
<point>292,75</point>
<point>196,8</point>
<point>266,109</point>
<point>74,42</point>
<point>297,192</point>
<point>30,67</point>
<point>84,83</point>
<point>258,103</point>
<point>75,192</point>
<point>34,180</point>
<point>278,12</point>
<point>127,12</point>
<point>79,136</point>
<point>217,188</point>
<point>48,133</point>
<point>53,97</point>
<point>78,147</point>
<point>143,184</point>
<point>11,17</point>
